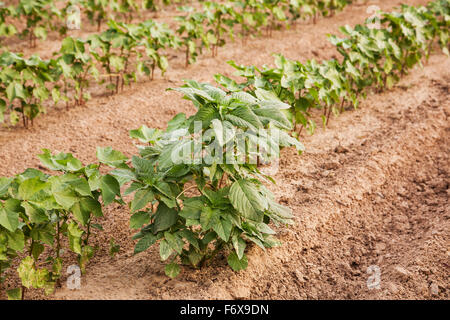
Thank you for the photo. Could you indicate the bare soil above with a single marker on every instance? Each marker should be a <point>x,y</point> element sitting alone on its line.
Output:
<point>371,189</point>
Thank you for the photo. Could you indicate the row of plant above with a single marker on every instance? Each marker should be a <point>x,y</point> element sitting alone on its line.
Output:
<point>210,26</point>
<point>185,197</point>
<point>114,57</point>
<point>42,16</point>
<point>251,15</point>
<point>371,58</point>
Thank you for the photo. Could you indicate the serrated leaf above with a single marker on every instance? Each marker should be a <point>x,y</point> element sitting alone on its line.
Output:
<point>223,228</point>
<point>247,200</point>
<point>144,243</point>
<point>141,199</point>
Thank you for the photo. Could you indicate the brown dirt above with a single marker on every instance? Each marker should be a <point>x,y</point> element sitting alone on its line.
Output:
<point>371,189</point>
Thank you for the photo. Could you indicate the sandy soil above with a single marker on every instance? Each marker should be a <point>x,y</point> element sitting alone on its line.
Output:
<point>371,189</point>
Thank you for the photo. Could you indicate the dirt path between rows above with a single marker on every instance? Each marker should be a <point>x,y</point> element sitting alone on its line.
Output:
<point>372,189</point>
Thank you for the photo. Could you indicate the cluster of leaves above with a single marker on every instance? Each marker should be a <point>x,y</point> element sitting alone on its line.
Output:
<point>193,35</point>
<point>39,211</point>
<point>99,11</point>
<point>228,203</point>
<point>156,5</point>
<point>371,58</point>
<point>39,16</point>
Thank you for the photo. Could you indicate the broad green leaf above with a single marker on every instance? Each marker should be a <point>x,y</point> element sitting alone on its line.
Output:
<point>64,195</point>
<point>208,217</point>
<point>16,240</point>
<point>141,199</point>
<point>165,217</point>
<point>81,186</point>
<point>111,157</point>
<point>35,213</point>
<point>15,90</point>
<point>237,264</point>
<point>60,162</point>
<point>138,219</point>
<point>223,228</point>
<point>239,245</point>
<point>176,122</point>
<point>43,233</point>
<point>192,208</point>
<point>110,188</point>
<point>190,236</point>
<point>247,200</point>
<point>164,250</point>
<point>244,117</point>
<point>269,98</point>
<point>172,270</point>
<point>29,188</point>
<point>75,234</point>
<point>143,167</point>
<point>274,115</point>
<point>9,214</point>
<point>174,241</point>
<point>144,243</point>
<point>145,134</point>
<point>4,185</point>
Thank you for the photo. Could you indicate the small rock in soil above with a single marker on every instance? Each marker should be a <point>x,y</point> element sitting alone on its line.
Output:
<point>434,289</point>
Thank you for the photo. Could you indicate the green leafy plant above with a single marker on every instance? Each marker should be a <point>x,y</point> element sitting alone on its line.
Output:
<point>75,64</point>
<point>97,11</point>
<point>251,16</point>
<point>193,35</point>
<point>156,37</point>
<point>23,86</point>
<point>196,207</point>
<point>221,19</point>
<point>186,197</point>
<point>118,45</point>
<point>38,210</point>
<point>39,16</point>
<point>6,29</point>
